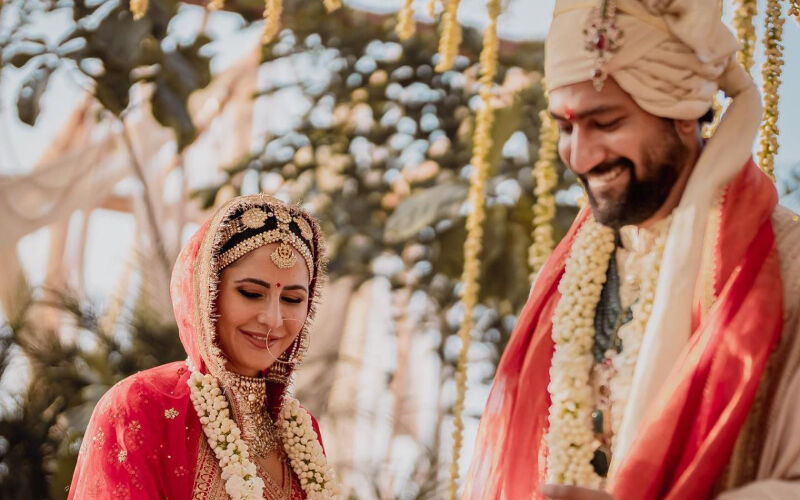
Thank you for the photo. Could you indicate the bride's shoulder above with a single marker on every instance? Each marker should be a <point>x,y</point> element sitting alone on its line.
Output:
<point>148,390</point>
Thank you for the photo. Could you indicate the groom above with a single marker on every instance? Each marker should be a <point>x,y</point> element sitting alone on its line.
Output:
<point>659,353</point>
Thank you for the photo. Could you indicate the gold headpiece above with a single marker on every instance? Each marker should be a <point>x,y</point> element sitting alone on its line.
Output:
<point>257,226</point>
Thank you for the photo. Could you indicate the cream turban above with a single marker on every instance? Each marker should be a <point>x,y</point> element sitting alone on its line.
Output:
<point>674,57</point>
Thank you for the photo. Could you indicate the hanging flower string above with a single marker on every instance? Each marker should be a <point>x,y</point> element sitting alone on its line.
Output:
<point>771,76</point>
<point>451,36</point>
<point>138,8</point>
<point>544,208</point>
<point>331,5</point>
<point>482,139</point>
<point>216,4</point>
<point>743,16</point>
<point>405,20</point>
<point>794,9</point>
<point>272,20</point>
<point>431,8</point>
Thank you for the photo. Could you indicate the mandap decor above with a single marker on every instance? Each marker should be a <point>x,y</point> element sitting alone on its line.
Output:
<point>544,171</point>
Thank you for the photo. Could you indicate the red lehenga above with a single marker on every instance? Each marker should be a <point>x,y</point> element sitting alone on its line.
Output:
<point>145,440</point>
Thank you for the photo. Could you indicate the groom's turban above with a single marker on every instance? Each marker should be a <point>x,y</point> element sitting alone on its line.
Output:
<point>673,57</point>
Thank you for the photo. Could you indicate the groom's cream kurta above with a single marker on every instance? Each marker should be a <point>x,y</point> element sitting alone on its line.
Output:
<point>777,465</point>
<point>766,461</point>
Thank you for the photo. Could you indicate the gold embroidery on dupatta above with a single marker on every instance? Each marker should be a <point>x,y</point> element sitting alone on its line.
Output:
<point>709,267</point>
<point>204,284</point>
<point>205,472</point>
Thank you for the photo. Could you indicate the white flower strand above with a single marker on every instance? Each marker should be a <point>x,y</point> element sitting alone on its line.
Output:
<point>225,438</point>
<point>631,336</point>
<point>239,473</point>
<point>305,453</point>
<point>570,440</point>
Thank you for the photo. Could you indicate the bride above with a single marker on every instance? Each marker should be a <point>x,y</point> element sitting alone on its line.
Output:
<point>222,424</point>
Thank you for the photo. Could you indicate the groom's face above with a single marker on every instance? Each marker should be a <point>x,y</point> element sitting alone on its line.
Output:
<point>628,159</point>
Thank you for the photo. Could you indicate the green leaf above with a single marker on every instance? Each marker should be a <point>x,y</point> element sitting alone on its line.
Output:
<point>111,89</point>
<point>186,71</point>
<point>424,208</point>
<point>119,39</point>
<point>30,94</point>
<point>170,110</point>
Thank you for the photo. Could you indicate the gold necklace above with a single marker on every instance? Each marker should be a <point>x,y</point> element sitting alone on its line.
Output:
<point>248,396</point>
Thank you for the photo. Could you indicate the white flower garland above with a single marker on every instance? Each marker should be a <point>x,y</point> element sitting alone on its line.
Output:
<point>570,439</point>
<point>631,335</point>
<point>225,438</point>
<point>305,453</point>
<point>238,471</point>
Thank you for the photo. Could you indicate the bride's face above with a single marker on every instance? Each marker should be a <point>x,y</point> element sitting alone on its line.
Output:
<point>261,308</point>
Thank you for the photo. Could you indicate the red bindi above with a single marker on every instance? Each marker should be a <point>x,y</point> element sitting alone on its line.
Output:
<point>569,114</point>
<point>278,284</point>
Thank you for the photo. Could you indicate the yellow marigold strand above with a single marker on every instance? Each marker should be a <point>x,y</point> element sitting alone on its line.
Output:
<point>482,139</point>
<point>771,76</point>
<point>216,4</point>
<point>432,8</point>
<point>331,5</point>
<point>743,16</point>
<point>272,20</point>
<point>405,20</point>
<point>138,8</point>
<point>794,9</point>
<point>544,208</point>
<point>451,36</point>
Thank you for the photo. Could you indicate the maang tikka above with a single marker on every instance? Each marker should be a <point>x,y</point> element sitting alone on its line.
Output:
<point>256,218</point>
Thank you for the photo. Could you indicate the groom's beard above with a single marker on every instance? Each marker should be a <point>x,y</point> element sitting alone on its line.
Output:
<point>663,160</point>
